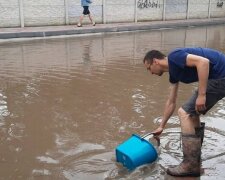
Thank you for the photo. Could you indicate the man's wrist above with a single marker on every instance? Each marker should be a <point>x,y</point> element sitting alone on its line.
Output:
<point>162,126</point>
<point>202,93</point>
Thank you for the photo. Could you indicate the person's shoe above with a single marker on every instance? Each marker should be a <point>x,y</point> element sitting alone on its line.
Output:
<point>94,24</point>
<point>190,166</point>
<point>79,25</point>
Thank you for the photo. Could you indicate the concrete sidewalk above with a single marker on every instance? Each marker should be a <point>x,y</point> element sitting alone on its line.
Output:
<point>47,31</point>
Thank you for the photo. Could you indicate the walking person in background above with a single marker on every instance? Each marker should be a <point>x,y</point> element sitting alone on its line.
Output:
<point>187,65</point>
<point>85,4</point>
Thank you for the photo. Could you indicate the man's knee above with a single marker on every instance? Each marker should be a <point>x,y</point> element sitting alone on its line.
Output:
<point>185,115</point>
<point>181,112</point>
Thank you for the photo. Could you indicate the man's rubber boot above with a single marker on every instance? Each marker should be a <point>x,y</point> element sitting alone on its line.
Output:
<point>190,166</point>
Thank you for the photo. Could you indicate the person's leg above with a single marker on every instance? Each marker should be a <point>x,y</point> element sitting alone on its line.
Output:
<point>191,143</point>
<point>190,166</point>
<point>85,8</point>
<point>80,21</point>
<point>193,131</point>
<point>90,17</point>
<point>188,123</point>
<point>191,124</point>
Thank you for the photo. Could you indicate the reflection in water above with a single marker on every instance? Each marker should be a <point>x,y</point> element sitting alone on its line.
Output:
<point>3,109</point>
<point>65,104</point>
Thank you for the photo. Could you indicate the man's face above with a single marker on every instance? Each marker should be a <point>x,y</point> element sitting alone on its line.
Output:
<point>154,68</point>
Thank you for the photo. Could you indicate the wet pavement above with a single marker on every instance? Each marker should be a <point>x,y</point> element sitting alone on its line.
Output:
<point>47,31</point>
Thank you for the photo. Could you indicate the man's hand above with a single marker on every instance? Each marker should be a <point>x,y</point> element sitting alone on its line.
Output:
<point>200,103</point>
<point>158,131</point>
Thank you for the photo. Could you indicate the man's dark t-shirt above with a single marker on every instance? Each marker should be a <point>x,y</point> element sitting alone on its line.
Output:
<point>178,70</point>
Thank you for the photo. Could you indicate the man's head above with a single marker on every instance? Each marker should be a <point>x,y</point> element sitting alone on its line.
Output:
<point>152,61</point>
<point>151,55</point>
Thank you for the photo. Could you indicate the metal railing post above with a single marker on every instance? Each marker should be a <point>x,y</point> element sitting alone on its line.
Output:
<point>209,9</point>
<point>66,11</point>
<point>164,10</point>
<point>135,11</point>
<point>103,13</point>
<point>188,6</point>
<point>21,13</point>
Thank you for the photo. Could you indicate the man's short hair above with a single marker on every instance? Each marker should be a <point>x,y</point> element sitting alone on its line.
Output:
<point>153,54</point>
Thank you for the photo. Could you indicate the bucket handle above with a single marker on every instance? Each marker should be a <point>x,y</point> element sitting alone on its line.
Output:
<point>156,137</point>
<point>146,135</point>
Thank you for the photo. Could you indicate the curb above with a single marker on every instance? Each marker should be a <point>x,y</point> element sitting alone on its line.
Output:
<point>104,28</point>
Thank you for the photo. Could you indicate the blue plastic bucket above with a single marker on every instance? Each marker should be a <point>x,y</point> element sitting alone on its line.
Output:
<point>135,151</point>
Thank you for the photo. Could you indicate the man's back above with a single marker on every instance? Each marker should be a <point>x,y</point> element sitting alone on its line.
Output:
<point>180,72</point>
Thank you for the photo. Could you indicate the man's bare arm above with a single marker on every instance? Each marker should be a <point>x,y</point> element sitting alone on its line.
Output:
<point>170,104</point>
<point>169,108</point>
<point>202,65</point>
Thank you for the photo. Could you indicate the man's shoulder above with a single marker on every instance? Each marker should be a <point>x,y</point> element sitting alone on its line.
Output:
<point>176,53</point>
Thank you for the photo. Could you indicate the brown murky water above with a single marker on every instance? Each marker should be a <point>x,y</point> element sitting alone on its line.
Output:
<point>66,103</point>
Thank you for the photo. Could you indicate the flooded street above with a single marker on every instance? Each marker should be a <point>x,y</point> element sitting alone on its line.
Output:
<point>66,103</point>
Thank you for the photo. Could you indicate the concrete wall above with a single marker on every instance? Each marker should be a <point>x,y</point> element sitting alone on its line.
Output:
<point>176,9</point>
<point>120,10</point>
<point>9,13</point>
<point>151,11</point>
<point>20,13</point>
<point>198,9</point>
<point>217,11</point>
<point>43,12</point>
